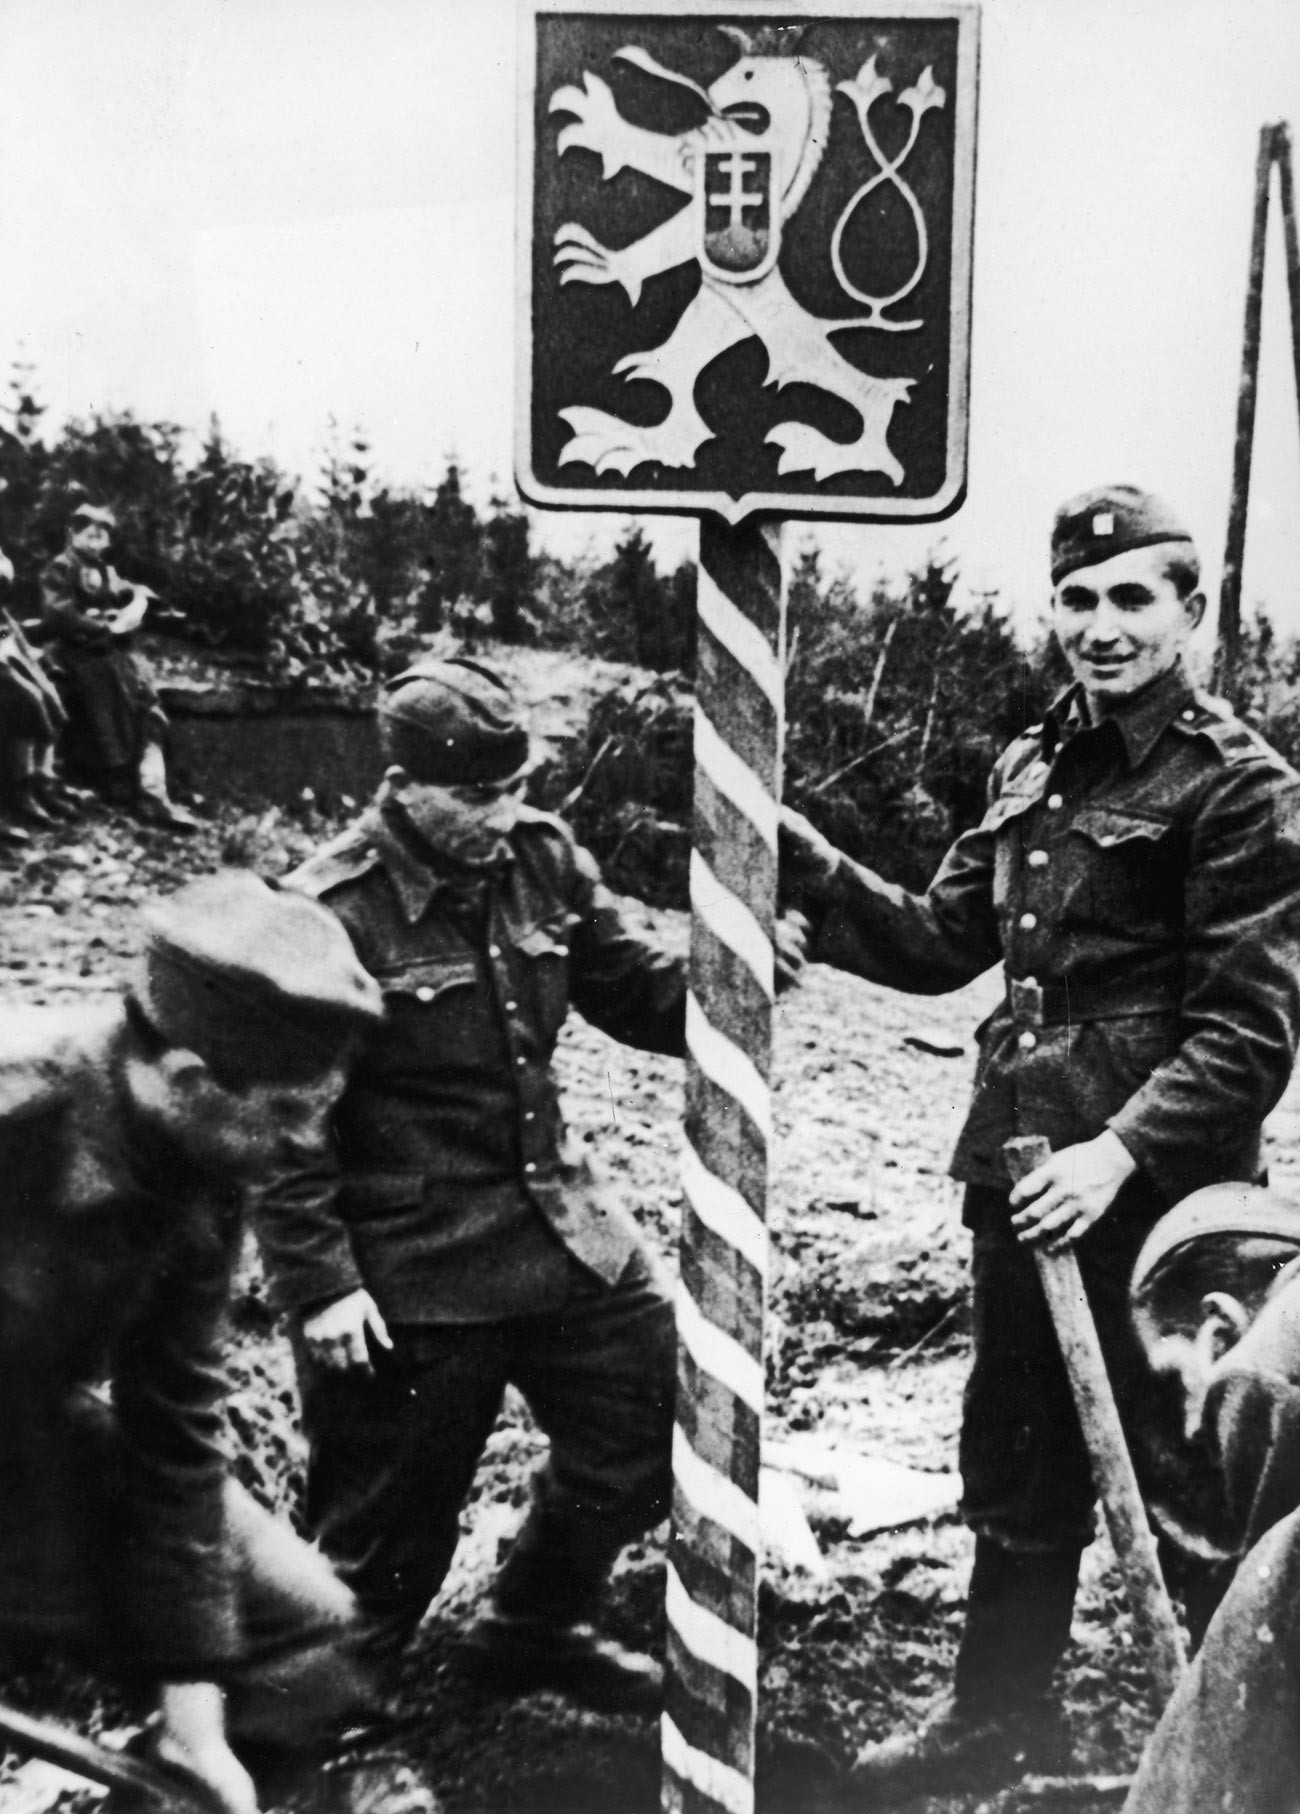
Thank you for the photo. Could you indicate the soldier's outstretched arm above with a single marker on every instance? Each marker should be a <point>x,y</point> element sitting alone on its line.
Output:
<point>924,944</point>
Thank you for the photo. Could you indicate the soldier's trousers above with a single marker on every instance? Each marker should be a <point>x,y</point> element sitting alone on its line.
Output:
<point>1026,1477</point>
<point>393,1456</point>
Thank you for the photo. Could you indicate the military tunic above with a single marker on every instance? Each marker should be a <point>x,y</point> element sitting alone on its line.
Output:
<point>122,1539</point>
<point>1139,881</point>
<point>1230,1737</point>
<point>495,1254</point>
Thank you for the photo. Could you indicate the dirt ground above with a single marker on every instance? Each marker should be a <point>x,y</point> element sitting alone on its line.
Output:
<point>868,1350</point>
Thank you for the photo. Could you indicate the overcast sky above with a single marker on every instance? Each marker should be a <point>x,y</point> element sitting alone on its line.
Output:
<point>287,210</point>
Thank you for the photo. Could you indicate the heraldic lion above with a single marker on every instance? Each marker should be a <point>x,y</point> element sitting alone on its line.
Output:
<point>794,96</point>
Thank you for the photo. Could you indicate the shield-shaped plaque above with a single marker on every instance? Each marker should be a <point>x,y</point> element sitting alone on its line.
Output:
<point>746,256</point>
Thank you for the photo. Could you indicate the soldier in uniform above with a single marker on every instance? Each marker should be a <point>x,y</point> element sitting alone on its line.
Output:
<point>463,1240</point>
<point>1216,1298</point>
<point>126,1137</point>
<point>1137,874</point>
<point>117,723</point>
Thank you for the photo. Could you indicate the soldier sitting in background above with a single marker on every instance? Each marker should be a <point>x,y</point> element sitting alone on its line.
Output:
<point>1216,1295</point>
<point>126,1137</point>
<point>117,726</point>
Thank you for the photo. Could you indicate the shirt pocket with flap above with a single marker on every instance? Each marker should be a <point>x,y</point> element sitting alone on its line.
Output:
<point>540,956</point>
<point>436,999</point>
<point>1122,871</point>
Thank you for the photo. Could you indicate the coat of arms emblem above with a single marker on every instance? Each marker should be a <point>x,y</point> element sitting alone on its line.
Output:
<point>749,247</point>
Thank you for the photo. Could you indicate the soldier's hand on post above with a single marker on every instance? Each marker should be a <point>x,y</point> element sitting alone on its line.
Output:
<point>808,861</point>
<point>790,941</point>
<point>336,1336</point>
<point>1060,1201</point>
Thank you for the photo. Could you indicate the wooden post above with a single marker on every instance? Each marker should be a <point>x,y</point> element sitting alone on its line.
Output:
<point>713,1559</point>
<point>1234,551</point>
<point>1112,1466</point>
<point>1286,175</point>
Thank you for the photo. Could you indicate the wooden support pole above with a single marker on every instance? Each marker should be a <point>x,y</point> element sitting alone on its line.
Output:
<point>713,1558</point>
<point>1286,177</point>
<point>1112,1466</point>
<point>1247,389</point>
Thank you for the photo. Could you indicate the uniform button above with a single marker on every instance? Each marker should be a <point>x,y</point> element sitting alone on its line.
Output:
<point>1028,921</point>
<point>530,1167</point>
<point>530,1115</point>
<point>494,950</point>
<point>1027,1041</point>
<point>1037,859</point>
<point>424,993</point>
<point>511,1006</point>
<point>521,1060</point>
<point>1056,802</point>
<point>1108,840</point>
<point>1031,982</point>
<point>1189,714</point>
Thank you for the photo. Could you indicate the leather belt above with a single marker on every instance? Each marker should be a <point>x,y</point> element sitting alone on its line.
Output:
<point>1054,1004</point>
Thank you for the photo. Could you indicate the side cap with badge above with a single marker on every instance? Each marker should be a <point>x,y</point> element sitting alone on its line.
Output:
<point>263,984</point>
<point>1110,520</point>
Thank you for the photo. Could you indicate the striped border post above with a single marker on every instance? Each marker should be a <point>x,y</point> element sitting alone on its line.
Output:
<point>713,1563</point>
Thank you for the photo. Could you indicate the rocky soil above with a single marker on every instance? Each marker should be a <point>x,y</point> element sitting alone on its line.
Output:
<point>868,1349</point>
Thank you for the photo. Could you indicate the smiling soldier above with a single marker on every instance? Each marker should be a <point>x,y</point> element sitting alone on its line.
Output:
<point>1137,874</point>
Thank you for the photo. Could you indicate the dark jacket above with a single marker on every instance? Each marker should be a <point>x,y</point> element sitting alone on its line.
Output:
<point>114,1266</point>
<point>115,708</point>
<point>1230,1737</point>
<point>1252,1415</point>
<point>78,600</point>
<point>1140,881</point>
<point>456,1192</point>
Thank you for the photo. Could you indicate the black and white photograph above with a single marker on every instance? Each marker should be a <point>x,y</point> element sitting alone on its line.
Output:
<point>649,907</point>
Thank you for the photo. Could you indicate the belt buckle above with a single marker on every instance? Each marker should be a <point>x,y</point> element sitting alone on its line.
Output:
<point>1026,1000</point>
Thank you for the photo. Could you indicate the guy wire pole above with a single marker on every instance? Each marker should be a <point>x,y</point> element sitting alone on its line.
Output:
<point>1286,175</point>
<point>713,1559</point>
<point>1230,590</point>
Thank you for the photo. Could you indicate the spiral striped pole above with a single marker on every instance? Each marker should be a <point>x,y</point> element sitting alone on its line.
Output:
<point>712,1596</point>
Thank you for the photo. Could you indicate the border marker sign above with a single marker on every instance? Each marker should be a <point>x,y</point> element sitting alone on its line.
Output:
<point>745,244</point>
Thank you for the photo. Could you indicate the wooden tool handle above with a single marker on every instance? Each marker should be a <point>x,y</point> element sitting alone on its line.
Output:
<point>1112,1466</point>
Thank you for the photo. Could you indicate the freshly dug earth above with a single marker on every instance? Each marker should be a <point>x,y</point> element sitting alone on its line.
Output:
<point>868,1350</point>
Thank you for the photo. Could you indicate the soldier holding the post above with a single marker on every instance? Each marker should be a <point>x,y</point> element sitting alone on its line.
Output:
<point>463,1241</point>
<point>127,1137</point>
<point>1137,873</point>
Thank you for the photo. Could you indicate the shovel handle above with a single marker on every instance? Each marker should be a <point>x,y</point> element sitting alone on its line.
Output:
<point>1112,1465</point>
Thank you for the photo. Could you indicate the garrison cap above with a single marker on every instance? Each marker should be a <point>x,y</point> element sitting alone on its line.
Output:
<point>1218,1209</point>
<point>453,722</point>
<point>94,513</point>
<point>263,984</point>
<point>1110,520</point>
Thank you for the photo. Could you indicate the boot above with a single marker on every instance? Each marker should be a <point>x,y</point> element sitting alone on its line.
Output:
<point>153,803</point>
<point>56,800</point>
<point>998,1724</point>
<point>26,805</point>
